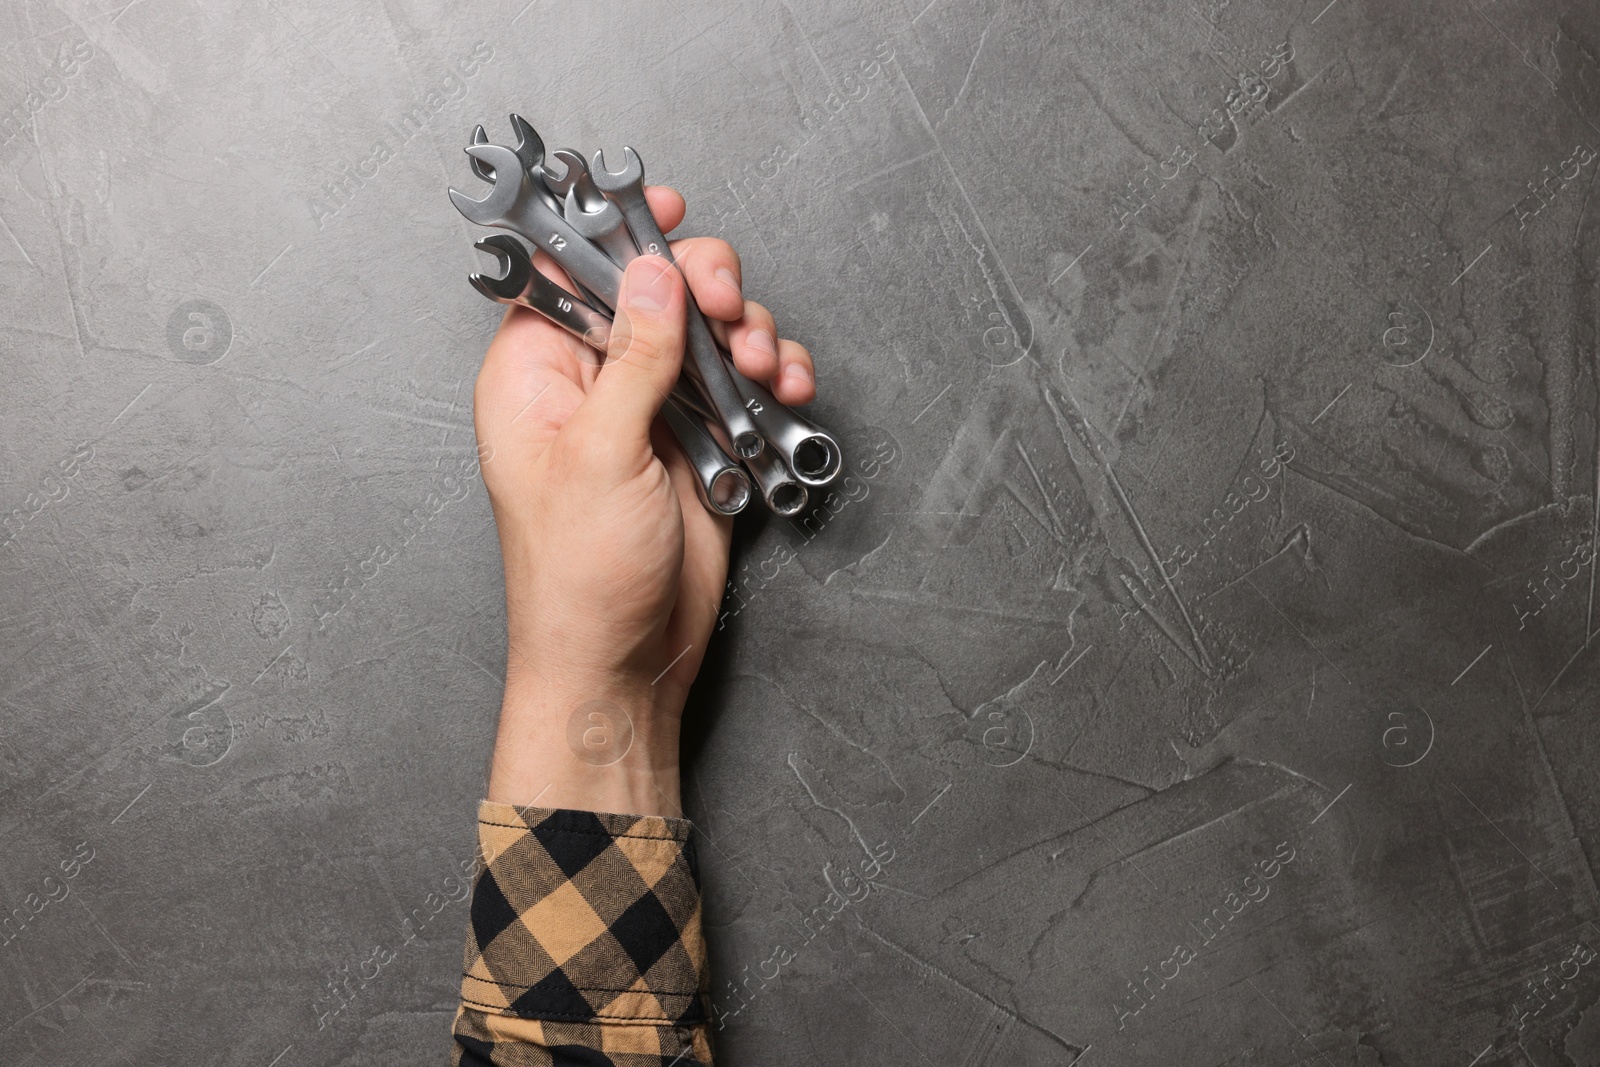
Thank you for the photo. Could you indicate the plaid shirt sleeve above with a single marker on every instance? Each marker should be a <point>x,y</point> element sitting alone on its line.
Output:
<point>584,946</point>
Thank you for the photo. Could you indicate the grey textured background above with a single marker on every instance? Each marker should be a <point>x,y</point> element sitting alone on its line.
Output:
<point>1223,482</point>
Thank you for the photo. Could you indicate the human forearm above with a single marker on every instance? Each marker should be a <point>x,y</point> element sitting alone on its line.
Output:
<point>600,748</point>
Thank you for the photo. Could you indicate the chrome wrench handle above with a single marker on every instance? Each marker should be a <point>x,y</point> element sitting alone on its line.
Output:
<point>625,189</point>
<point>521,284</point>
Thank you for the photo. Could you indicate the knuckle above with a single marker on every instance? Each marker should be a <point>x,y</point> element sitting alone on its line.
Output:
<point>638,345</point>
<point>709,253</point>
<point>717,248</point>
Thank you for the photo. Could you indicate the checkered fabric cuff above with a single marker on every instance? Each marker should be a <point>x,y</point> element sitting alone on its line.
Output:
<point>584,933</point>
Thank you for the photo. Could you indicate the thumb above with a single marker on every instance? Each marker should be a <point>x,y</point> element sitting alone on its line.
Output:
<point>645,353</point>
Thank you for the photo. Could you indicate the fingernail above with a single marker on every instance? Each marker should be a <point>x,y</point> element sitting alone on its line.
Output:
<point>725,276</point>
<point>762,341</point>
<point>797,373</point>
<point>649,288</point>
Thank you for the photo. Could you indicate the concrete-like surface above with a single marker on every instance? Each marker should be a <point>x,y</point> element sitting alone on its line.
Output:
<point>1198,650</point>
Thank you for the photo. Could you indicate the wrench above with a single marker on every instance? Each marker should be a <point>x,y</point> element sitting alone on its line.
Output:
<point>601,223</point>
<point>526,287</point>
<point>606,227</point>
<point>810,452</point>
<point>512,204</point>
<point>574,175</point>
<point>558,186</point>
<point>723,485</point>
<point>783,494</point>
<point>812,455</point>
<point>625,189</point>
<point>521,284</point>
<point>530,150</point>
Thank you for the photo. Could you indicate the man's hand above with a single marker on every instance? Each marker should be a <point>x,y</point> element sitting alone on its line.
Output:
<point>614,569</point>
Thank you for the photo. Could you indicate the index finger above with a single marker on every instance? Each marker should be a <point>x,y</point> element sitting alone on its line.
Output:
<point>666,205</point>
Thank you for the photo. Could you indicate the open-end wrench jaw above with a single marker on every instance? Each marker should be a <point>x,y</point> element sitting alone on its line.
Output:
<point>604,225</point>
<point>516,267</point>
<point>615,181</point>
<point>559,182</point>
<point>597,224</point>
<point>583,184</point>
<point>481,136</point>
<point>529,149</point>
<point>507,185</point>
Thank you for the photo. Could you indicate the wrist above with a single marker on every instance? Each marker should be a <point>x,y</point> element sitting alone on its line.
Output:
<point>601,746</point>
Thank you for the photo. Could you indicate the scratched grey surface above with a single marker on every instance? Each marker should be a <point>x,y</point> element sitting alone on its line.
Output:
<point>1219,385</point>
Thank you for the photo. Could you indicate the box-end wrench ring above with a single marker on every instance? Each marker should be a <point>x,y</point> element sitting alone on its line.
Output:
<point>783,494</point>
<point>723,485</point>
<point>810,452</point>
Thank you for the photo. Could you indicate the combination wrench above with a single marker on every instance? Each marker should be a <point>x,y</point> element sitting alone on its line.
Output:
<point>783,494</point>
<point>530,153</point>
<point>521,284</point>
<point>811,454</point>
<point>512,204</point>
<point>590,213</point>
<point>723,485</point>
